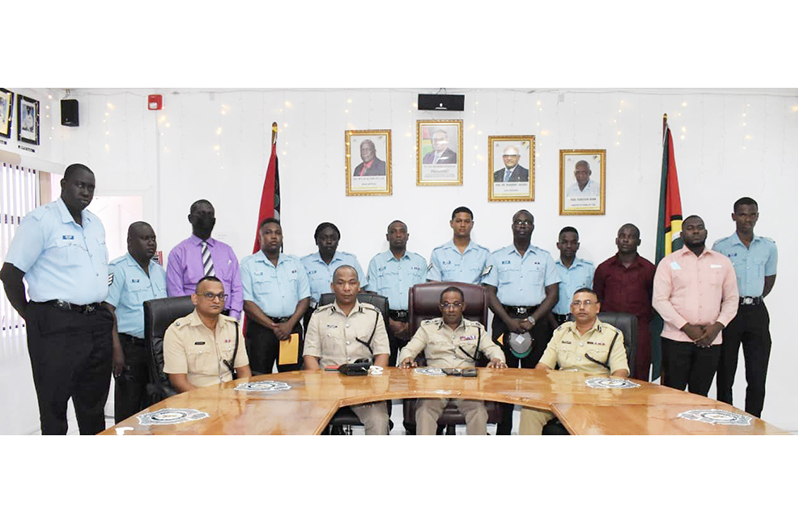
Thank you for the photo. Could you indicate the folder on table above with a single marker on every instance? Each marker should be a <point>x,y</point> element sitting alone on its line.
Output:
<point>289,350</point>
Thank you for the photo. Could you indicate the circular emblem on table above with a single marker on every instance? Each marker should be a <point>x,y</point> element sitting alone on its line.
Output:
<point>264,386</point>
<point>171,416</point>
<point>429,371</point>
<point>716,417</point>
<point>610,383</point>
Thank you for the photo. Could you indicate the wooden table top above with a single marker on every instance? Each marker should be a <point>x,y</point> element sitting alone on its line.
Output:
<point>315,396</point>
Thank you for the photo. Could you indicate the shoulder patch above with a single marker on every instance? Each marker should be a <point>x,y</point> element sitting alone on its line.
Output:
<point>110,278</point>
<point>486,270</point>
<point>429,267</point>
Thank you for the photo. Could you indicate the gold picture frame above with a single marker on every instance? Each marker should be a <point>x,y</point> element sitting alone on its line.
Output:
<point>509,179</point>
<point>576,198</point>
<point>439,148</point>
<point>368,175</point>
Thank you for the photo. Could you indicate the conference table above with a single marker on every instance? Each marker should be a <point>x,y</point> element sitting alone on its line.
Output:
<point>304,402</point>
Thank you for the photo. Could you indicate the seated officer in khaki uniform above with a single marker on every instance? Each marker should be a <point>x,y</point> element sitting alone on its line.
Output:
<point>586,345</point>
<point>346,331</point>
<point>451,342</point>
<point>198,349</point>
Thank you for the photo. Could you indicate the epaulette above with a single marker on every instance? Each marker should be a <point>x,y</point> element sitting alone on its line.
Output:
<point>432,321</point>
<point>324,308</point>
<point>771,240</point>
<point>116,260</point>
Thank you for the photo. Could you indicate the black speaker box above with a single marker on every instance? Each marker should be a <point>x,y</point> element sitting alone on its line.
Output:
<point>69,113</point>
<point>441,102</point>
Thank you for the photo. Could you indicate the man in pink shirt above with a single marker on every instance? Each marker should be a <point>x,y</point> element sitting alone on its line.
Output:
<point>695,292</point>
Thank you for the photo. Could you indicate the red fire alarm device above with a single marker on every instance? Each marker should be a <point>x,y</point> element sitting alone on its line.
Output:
<point>155,102</point>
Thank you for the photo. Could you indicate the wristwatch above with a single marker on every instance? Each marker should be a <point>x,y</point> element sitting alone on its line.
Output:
<point>532,321</point>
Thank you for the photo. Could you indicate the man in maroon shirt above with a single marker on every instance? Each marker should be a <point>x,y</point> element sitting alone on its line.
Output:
<point>624,283</point>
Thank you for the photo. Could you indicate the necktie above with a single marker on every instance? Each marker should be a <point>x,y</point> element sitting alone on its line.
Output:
<point>507,174</point>
<point>207,262</point>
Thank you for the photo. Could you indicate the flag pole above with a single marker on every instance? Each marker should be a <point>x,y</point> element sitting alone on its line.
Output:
<point>664,124</point>
<point>274,133</point>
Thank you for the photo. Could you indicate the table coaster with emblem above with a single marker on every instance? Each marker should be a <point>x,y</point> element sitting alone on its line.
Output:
<point>264,386</point>
<point>610,383</point>
<point>171,416</point>
<point>429,371</point>
<point>716,417</point>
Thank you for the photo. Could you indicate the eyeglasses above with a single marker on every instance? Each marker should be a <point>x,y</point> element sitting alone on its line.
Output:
<point>211,296</point>
<point>586,303</point>
<point>447,305</point>
<point>522,222</point>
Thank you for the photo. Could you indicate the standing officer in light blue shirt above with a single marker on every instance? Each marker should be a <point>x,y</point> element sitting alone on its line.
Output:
<point>321,265</point>
<point>276,297</point>
<point>135,278</point>
<point>522,285</point>
<point>575,273</point>
<point>391,274</point>
<point>59,249</point>
<point>459,260</point>
<point>754,259</point>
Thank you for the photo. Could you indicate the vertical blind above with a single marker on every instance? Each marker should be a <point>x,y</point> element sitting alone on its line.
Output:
<point>19,194</point>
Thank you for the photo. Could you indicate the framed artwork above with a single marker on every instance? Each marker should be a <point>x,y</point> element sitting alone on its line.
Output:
<point>6,111</point>
<point>511,168</point>
<point>369,174</point>
<point>582,181</point>
<point>439,147</point>
<point>27,120</point>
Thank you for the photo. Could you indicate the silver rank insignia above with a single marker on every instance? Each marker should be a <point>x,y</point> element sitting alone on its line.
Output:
<point>429,371</point>
<point>610,383</point>
<point>716,417</point>
<point>171,416</point>
<point>486,271</point>
<point>264,386</point>
<point>110,278</point>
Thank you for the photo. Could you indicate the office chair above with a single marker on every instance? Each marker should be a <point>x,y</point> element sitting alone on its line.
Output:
<point>627,324</point>
<point>424,301</point>
<point>158,316</point>
<point>343,420</point>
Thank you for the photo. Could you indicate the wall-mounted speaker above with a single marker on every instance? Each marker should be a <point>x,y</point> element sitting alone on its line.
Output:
<point>69,113</point>
<point>441,102</point>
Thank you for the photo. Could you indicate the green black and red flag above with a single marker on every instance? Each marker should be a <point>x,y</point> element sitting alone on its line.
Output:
<point>270,197</point>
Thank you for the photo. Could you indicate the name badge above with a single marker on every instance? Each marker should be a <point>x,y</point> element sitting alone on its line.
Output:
<point>467,338</point>
<point>67,237</point>
<point>715,266</point>
<point>675,266</point>
<point>332,326</point>
<point>199,343</point>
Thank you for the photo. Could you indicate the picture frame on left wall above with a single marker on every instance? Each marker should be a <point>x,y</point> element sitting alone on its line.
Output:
<point>27,120</point>
<point>368,162</point>
<point>6,112</point>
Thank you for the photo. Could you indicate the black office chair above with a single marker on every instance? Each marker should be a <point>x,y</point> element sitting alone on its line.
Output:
<point>627,324</point>
<point>344,419</point>
<point>424,301</point>
<point>158,316</point>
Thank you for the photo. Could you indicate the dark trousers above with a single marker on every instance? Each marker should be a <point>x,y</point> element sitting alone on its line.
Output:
<point>541,333</point>
<point>687,365</point>
<point>263,348</point>
<point>70,355</point>
<point>130,389</point>
<point>642,370</point>
<point>751,328</point>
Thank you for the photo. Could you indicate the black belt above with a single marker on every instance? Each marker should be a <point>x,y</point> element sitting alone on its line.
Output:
<point>91,308</point>
<point>561,318</point>
<point>750,300</point>
<point>399,315</point>
<point>279,320</point>
<point>520,312</point>
<point>132,339</point>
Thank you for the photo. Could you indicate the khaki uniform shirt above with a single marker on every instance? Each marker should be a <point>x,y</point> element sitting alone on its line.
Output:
<point>568,349</point>
<point>191,348</point>
<point>447,348</point>
<point>333,337</point>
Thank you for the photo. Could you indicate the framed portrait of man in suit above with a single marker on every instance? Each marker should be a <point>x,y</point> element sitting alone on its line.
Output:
<point>511,168</point>
<point>27,120</point>
<point>6,110</point>
<point>439,148</point>
<point>368,162</point>
<point>582,181</point>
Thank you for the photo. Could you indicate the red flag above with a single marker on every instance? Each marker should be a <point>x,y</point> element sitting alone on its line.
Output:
<point>270,197</point>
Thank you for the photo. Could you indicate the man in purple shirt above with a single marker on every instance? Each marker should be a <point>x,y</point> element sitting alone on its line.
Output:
<point>200,256</point>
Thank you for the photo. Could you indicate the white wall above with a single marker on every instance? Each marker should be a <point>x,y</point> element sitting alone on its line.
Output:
<point>215,146</point>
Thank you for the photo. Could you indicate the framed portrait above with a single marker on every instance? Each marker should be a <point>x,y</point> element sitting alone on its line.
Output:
<point>439,147</point>
<point>6,112</point>
<point>511,168</point>
<point>368,162</point>
<point>27,120</point>
<point>582,181</point>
